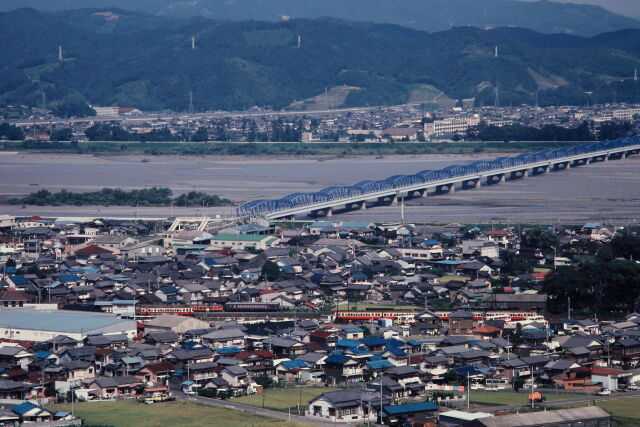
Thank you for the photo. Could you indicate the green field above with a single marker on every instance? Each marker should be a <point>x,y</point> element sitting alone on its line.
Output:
<point>490,398</point>
<point>134,414</point>
<point>453,277</point>
<point>283,399</point>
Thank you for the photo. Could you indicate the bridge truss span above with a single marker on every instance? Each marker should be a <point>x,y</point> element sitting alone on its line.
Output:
<point>443,180</point>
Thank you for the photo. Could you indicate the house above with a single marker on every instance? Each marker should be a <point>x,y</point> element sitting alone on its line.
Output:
<point>462,322</point>
<point>401,415</point>
<point>426,323</point>
<point>341,369</point>
<point>257,362</point>
<point>15,390</point>
<point>225,338</point>
<point>238,379</point>
<point>284,347</point>
<point>352,406</point>
<point>111,387</point>
<point>32,413</point>
<point>155,373</point>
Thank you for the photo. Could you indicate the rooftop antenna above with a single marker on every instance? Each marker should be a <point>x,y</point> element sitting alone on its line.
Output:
<point>60,57</point>
<point>190,102</point>
<point>299,41</point>
<point>193,42</point>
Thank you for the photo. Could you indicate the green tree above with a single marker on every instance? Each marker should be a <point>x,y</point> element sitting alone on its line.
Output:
<point>62,134</point>
<point>201,135</point>
<point>271,271</point>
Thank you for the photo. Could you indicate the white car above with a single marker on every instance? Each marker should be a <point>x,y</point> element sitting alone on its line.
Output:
<point>604,392</point>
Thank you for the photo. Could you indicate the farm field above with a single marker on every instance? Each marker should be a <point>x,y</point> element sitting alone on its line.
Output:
<point>283,399</point>
<point>175,414</point>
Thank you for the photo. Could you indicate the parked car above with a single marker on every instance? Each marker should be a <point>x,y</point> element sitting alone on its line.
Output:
<point>604,392</point>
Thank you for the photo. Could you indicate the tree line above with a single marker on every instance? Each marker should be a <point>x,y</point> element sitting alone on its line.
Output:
<point>519,132</point>
<point>155,196</point>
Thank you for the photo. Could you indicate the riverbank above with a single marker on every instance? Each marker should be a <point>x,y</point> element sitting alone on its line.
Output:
<point>277,148</point>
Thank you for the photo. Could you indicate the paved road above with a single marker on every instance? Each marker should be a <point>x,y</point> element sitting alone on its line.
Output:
<point>586,399</point>
<point>253,410</point>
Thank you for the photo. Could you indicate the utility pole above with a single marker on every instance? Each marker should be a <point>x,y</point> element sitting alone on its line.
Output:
<point>190,102</point>
<point>533,400</point>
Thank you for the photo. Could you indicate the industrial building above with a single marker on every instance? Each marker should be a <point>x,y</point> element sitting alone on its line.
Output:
<point>34,325</point>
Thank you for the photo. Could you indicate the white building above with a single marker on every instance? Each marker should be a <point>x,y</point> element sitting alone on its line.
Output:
<point>34,325</point>
<point>451,125</point>
<point>113,112</point>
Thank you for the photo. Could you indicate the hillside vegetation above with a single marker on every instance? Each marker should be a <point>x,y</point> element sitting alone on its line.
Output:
<point>428,15</point>
<point>148,63</point>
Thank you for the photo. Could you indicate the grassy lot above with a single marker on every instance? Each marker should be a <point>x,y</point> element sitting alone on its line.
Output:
<point>452,277</point>
<point>491,398</point>
<point>134,414</point>
<point>282,399</point>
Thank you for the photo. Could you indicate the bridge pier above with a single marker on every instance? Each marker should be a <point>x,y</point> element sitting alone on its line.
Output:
<point>363,205</point>
<point>471,184</point>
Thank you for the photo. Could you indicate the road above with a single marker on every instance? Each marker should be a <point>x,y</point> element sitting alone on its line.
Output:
<point>253,410</point>
<point>586,399</point>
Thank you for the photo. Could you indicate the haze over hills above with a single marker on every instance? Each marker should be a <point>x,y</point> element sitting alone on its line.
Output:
<point>624,7</point>
<point>427,15</point>
<point>137,60</point>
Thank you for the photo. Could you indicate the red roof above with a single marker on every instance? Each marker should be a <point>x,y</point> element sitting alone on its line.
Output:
<point>93,250</point>
<point>267,291</point>
<point>498,233</point>
<point>320,334</point>
<point>34,218</point>
<point>606,371</point>
<point>159,367</point>
<point>13,295</point>
<point>486,330</point>
<point>103,352</point>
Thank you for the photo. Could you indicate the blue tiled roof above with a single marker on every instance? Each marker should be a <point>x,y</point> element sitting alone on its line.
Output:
<point>347,343</point>
<point>396,351</point>
<point>352,330</point>
<point>292,364</point>
<point>410,408</point>
<point>228,350</point>
<point>380,364</point>
<point>373,341</point>
<point>24,407</point>
<point>467,370</point>
<point>19,280</point>
<point>64,278</point>
<point>336,358</point>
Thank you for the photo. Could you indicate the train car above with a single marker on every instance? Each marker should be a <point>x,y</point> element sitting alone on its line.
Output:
<point>207,308</point>
<point>156,310</point>
<point>252,306</point>
<point>406,316</point>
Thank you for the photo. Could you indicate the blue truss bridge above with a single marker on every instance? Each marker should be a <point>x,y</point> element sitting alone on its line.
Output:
<point>368,193</point>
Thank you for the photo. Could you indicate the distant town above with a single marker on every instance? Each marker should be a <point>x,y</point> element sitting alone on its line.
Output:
<point>407,123</point>
<point>321,322</point>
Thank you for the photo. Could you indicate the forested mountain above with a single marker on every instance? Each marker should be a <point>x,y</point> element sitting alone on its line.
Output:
<point>427,15</point>
<point>136,60</point>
